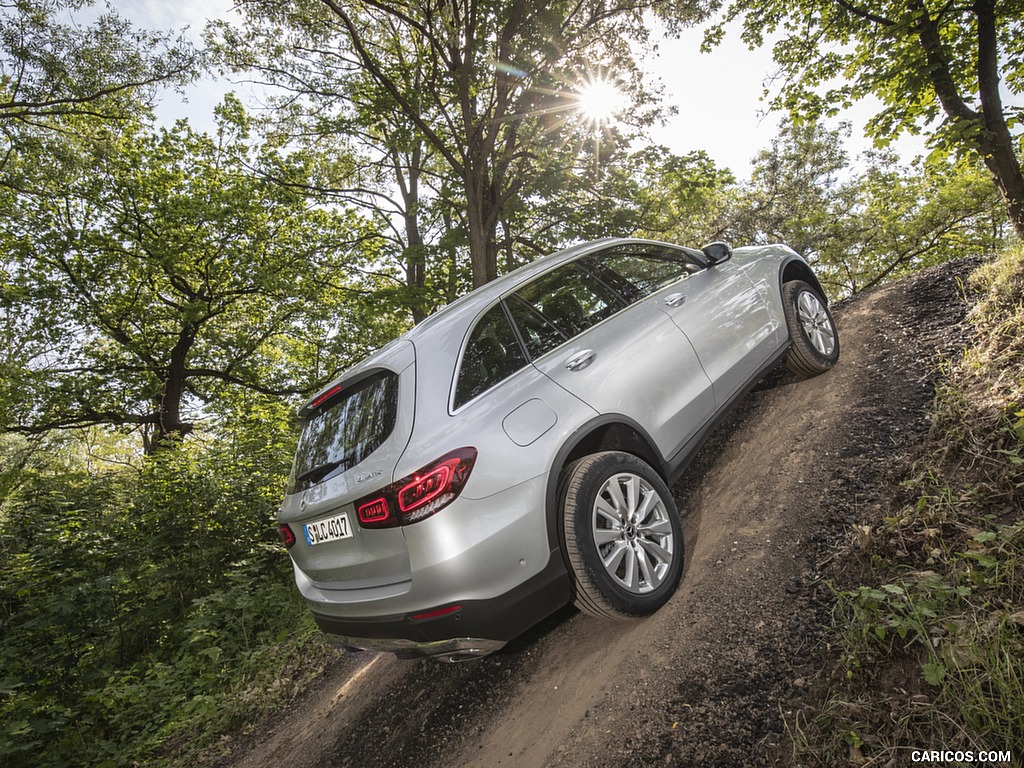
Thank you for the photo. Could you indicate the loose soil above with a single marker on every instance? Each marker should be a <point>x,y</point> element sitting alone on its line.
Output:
<point>713,678</point>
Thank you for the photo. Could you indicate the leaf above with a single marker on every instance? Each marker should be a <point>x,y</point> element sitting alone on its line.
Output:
<point>934,672</point>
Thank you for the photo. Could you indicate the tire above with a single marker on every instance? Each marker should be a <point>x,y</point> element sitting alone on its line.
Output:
<point>622,536</point>
<point>812,331</point>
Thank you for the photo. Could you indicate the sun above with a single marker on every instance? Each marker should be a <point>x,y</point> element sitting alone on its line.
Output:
<point>599,100</point>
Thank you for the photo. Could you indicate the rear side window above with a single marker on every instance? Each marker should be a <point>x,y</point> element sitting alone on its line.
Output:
<point>346,429</point>
<point>492,354</point>
<point>561,304</point>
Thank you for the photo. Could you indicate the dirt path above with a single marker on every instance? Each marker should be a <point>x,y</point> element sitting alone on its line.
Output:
<point>708,680</point>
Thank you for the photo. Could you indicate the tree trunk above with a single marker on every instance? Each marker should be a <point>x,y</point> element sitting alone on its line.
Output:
<point>482,220</point>
<point>415,250</point>
<point>996,143</point>
<point>169,425</point>
<point>451,288</point>
<point>1003,164</point>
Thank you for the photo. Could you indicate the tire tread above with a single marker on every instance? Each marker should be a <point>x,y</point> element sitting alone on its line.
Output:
<point>802,358</point>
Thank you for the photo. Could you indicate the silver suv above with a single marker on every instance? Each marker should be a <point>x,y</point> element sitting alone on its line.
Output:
<point>514,451</point>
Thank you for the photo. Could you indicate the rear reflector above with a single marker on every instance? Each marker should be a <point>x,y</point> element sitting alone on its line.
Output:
<point>418,496</point>
<point>436,613</point>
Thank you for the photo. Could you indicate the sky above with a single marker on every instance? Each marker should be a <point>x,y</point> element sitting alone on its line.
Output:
<point>717,95</point>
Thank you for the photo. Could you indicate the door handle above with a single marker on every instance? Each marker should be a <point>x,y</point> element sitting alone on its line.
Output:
<point>675,299</point>
<point>580,360</point>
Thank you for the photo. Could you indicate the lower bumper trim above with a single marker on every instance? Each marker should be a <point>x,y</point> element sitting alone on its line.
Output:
<point>452,650</point>
<point>459,632</point>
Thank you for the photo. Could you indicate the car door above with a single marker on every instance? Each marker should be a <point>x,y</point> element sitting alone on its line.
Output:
<point>614,350</point>
<point>722,314</point>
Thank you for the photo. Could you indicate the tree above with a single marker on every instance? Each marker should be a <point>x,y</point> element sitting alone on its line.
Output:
<point>485,84</point>
<point>799,192</point>
<point>935,64</point>
<point>376,160</point>
<point>648,192</point>
<point>152,270</point>
<point>861,227</point>
<point>51,70</point>
<point>907,218</point>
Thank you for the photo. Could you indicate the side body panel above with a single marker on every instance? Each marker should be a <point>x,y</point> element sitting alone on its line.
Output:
<point>643,367</point>
<point>727,319</point>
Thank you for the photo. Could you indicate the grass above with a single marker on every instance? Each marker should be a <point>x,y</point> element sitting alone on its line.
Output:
<point>931,641</point>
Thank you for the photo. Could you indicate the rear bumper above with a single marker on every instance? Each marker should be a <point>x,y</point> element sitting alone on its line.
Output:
<point>464,629</point>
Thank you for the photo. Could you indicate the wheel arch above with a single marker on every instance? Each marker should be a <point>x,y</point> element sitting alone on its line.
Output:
<point>610,432</point>
<point>796,268</point>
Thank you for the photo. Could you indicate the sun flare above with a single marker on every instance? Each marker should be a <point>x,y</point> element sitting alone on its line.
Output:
<point>599,100</point>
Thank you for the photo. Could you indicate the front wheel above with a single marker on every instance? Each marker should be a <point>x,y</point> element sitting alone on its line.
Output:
<point>622,536</point>
<point>812,331</point>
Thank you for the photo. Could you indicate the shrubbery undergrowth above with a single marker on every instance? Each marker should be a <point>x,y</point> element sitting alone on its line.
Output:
<point>146,609</point>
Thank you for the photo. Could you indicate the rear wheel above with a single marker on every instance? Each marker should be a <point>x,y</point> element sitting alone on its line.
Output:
<point>815,341</point>
<point>622,536</point>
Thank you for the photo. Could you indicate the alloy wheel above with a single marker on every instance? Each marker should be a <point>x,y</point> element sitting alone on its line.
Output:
<point>816,324</point>
<point>632,533</point>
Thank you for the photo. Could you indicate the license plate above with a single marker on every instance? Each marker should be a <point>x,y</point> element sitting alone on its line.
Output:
<point>330,529</point>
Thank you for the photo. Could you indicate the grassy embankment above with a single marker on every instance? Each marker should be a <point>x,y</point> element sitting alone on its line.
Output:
<point>931,640</point>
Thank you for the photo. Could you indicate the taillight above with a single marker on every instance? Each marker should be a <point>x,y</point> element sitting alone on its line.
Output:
<point>373,511</point>
<point>287,537</point>
<point>419,495</point>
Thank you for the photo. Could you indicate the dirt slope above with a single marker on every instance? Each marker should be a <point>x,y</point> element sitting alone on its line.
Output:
<point>706,681</point>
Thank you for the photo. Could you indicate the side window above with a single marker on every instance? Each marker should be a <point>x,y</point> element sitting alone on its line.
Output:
<point>649,270</point>
<point>539,333</point>
<point>492,353</point>
<point>559,305</point>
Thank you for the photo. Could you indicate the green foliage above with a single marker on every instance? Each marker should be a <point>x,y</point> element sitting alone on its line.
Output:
<point>146,610</point>
<point>649,192</point>
<point>151,270</point>
<point>477,100</point>
<point>835,54</point>
<point>935,67</point>
<point>860,227</point>
<point>800,191</point>
<point>955,632</point>
<point>54,64</point>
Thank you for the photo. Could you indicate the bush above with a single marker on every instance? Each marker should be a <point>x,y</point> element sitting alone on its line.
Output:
<point>144,610</point>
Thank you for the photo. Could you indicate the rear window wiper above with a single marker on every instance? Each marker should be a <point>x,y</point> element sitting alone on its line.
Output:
<point>322,470</point>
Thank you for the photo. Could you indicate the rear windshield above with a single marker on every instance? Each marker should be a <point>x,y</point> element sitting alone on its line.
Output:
<point>346,429</point>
